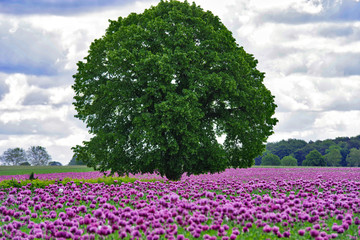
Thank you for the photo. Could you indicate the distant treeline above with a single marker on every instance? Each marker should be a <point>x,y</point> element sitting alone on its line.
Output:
<point>35,156</point>
<point>341,151</point>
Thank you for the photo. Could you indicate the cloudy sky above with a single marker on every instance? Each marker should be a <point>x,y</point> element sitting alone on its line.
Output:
<point>309,50</point>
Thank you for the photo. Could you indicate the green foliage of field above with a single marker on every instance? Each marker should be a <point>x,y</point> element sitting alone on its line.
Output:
<point>37,183</point>
<point>19,170</point>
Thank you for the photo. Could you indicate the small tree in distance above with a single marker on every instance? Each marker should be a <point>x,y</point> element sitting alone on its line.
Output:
<point>13,156</point>
<point>289,161</point>
<point>38,156</point>
<point>159,88</point>
<point>74,161</point>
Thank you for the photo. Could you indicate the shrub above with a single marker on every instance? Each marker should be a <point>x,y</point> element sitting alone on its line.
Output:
<point>288,161</point>
<point>25,164</point>
<point>270,160</point>
<point>314,158</point>
<point>32,177</point>
<point>53,163</point>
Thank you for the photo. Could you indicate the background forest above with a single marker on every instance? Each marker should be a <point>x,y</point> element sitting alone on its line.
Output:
<point>341,151</point>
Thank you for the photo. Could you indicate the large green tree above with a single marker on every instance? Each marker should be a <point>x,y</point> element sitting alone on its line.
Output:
<point>159,88</point>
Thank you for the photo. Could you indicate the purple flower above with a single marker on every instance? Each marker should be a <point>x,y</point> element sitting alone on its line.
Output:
<point>61,234</point>
<point>275,229</point>
<point>314,233</point>
<point>335,227</point>
<point>82,209</point>
<point>345,226</point>
<point>122,234</point>
<point>286,234</point>
<point>104,230</point>
<point>180,237</point>
<point>267,229</point>
<point>334,235</point>
<point>98,213</point>
<point>196,235</point>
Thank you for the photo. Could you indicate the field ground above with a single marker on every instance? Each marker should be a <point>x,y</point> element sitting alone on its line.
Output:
<point>254,203</point>
<point>19,170</point>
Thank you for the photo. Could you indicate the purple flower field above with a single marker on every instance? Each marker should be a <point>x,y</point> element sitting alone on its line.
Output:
<point>255,203</point>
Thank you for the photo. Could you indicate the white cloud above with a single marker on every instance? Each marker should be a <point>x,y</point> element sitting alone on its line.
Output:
<point>332,124</point>
<point>308,125</point>
<point>31,116</point>
<point>4,87</point>
<point>314,11</point>
<point>59,7</point>
<point>30,50</point>
<point>17,89</point>
<point>305,93</point>
<point>61,95</point>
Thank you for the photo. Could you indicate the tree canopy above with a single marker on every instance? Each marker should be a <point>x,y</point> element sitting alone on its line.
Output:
<point>159,89</point>
<point>314,158</point>
<point>270,160</point>
<point>38,156</point>
<point>13,156</point>
<point>35,155</point>
<point>285,148</point>
<point>288,161</point>
<point>333,156</point>
<point>299,149</point>
<point>353,159</point>
<point>75,161</point>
